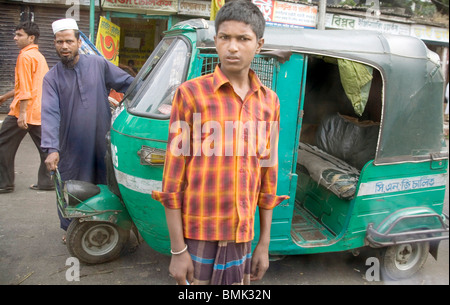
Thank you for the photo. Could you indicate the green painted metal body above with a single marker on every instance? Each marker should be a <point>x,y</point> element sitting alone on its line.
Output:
<point>147,214</point>
<point>342,223</point>
<point>104,206</point>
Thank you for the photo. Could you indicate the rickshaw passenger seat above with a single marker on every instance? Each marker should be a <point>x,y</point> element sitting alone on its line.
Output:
<point>333,173</point>
<point>344,146</point>
<point>348,139</point>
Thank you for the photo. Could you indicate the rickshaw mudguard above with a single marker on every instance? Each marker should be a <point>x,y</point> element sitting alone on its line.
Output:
<point>409,225</point>
<point>105,206</point>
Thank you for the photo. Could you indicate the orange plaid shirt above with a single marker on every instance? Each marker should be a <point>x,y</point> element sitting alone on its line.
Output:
<point>213,171</point>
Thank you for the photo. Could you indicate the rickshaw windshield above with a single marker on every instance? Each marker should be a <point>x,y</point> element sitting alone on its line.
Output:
<point>153,90</point>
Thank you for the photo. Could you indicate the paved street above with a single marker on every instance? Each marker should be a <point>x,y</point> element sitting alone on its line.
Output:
<point>31,251</point>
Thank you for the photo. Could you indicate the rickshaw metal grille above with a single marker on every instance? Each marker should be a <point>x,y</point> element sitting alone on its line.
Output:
<point>263,66</point>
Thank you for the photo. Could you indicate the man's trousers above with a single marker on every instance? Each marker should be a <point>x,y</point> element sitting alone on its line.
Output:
<point>11,135</point>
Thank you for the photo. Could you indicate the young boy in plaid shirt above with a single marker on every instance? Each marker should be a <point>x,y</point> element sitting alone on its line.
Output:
<point>212,185</point>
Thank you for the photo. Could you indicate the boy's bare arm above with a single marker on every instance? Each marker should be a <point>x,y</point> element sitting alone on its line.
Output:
<point>260,257</point>
<point>181,266</point>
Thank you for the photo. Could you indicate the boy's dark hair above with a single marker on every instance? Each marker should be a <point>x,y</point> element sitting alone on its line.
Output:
<point>244,11</point>
<point>30,28</point>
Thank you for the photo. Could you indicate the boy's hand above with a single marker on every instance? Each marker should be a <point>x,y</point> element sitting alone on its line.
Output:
<point>260,262</point>
<point>182,268</point>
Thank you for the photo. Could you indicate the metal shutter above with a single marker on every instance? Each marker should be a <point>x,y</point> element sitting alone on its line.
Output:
<point>9,18</point>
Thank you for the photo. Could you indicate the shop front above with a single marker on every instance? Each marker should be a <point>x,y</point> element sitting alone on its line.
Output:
<point>142,24</point>
<point>43,12</point>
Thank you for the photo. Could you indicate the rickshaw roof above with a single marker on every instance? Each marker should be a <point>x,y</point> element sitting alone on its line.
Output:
<point>411,127</point>
<point>368,46</point>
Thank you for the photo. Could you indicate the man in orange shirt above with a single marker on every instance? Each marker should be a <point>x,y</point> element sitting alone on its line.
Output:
<point>210,194</point>
<point>25,114</point>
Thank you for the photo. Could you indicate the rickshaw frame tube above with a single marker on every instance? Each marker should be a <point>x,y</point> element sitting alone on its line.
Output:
<point>394,220</point>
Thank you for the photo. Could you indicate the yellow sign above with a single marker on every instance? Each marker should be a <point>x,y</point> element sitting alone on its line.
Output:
<point>215,7</point>
<point>107,42</point>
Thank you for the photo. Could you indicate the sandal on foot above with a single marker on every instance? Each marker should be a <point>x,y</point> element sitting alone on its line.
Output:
<point>37,188</point>
<point>8,189</point>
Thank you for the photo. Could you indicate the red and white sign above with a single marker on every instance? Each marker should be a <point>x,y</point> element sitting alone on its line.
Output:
<point>287,14</point>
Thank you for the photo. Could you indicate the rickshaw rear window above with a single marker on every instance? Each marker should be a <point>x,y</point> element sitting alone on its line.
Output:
<point>155,85</point>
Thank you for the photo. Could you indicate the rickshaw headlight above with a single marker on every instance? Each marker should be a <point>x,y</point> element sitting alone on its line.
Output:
<point>152,156</point>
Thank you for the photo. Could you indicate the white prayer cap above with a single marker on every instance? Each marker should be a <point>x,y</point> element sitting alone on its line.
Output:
<point>64,24</point>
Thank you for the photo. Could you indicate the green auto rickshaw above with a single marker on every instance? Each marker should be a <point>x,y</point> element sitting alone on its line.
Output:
<point>362,153</point>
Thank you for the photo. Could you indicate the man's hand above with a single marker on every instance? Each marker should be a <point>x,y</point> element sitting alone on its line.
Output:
<point>182,268</point>
<point>22,121</point>
<point>6,96</point>
<point>52,161</point>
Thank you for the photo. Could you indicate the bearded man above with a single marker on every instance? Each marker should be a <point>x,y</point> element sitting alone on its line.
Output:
<point>75,110</point>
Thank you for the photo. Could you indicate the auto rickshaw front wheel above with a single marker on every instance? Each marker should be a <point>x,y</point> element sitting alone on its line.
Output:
<point>95,242</point>
<point>403,260</point>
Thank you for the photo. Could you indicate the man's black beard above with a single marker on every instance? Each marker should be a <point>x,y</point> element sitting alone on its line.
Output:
<point>68,62</point>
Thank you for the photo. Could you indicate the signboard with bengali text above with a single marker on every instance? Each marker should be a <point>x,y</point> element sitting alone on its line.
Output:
<point>288,14</point>
<point>195,8</point>
<point>424,32</point>
<point>430,33</point>
<point>153,7</point>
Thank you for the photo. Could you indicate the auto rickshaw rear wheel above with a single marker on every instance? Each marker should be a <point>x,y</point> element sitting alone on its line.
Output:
<point>95,242</point>
<point>403,260</point>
